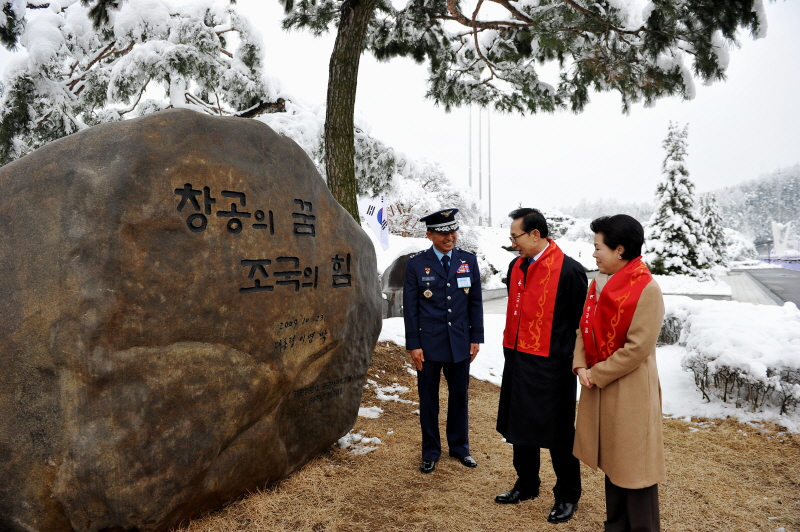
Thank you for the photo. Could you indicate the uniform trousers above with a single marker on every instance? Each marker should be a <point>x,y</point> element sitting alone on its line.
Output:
<point>632,510</point>
<point>457,376</point>
<point>567,469</point>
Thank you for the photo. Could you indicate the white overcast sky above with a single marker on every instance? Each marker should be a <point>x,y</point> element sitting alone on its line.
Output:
<point>738,129</point>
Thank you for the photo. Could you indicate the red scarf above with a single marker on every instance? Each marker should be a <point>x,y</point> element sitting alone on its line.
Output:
<point>531,300</point>
<point>605,322</point>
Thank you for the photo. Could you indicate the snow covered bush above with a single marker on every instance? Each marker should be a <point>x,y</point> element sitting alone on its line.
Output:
<point>730,359</point>
<point>420,188</point>
<point>674,238</point>
<point>738,247</point>
<point>566,227</point>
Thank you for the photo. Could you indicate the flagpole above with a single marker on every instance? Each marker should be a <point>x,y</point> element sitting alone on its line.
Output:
<point>489,158</point>
<point>470,146</point>
<point>480,165</point>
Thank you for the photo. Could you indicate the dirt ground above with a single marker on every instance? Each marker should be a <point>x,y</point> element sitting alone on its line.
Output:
<point>722,475</point>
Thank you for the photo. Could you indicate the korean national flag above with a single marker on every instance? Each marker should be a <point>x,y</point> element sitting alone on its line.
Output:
<point>374,212</point>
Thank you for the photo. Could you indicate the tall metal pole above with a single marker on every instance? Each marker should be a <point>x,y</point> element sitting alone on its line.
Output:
<point>480,165</point>
<point>489,157</point>
<point>470,146</point>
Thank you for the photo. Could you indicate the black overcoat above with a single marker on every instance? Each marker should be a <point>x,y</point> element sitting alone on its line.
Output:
<point>537,394</point>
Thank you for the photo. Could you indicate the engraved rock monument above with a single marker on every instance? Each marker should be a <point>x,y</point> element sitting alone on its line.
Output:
<point>187,314</point>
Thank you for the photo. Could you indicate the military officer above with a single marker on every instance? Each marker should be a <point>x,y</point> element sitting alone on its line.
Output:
<point>443,313</point>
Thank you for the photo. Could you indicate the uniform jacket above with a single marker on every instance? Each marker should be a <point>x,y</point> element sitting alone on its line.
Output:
<point>444,324</point>
<point>537,394</point>
<point>619,419</point>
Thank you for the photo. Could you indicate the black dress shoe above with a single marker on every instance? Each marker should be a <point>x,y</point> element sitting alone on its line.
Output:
<point>562,512</point>
<point>514,497</point>
<point>467,461</point>
<point>427,466</point>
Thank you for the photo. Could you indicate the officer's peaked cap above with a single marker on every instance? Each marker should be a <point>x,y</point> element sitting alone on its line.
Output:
<point>443,221</point>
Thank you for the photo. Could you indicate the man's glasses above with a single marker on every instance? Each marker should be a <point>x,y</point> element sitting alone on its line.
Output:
<point>514,238</point>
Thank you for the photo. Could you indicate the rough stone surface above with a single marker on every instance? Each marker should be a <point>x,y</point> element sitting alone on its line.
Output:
<point>148,371</point>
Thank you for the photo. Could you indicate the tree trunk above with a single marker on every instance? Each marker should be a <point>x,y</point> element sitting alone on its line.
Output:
<point>342,82</point>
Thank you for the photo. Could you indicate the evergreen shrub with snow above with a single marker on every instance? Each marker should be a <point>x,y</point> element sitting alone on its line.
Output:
<point>566,227</point>
<point>421,188</point>
<point>674,239</point>
<point>733,361</point>
<point>715,247</point>
<point>738,247</point>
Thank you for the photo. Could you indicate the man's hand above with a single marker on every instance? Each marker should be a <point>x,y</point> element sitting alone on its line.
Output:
<point>584,377</point>
<point>473,351</point>
<point>418,358</point>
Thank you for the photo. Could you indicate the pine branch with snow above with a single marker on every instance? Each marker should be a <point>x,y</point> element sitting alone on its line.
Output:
<point>88,64</point>
<point>491,54</point>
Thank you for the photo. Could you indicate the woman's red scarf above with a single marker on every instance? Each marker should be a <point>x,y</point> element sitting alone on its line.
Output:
<point>531,300</point>
<point>605,322</point>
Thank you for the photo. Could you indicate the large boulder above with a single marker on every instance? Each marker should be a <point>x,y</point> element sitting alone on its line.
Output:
<point>187,314</point>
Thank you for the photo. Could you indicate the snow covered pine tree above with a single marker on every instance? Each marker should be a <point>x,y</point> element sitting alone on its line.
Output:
<point>643,50</point>
<point>713,232</point>
<point>674,237</point>
<point>87,65</point>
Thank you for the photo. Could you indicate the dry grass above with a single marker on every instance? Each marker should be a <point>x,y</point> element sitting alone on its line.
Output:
<point>724,476</point>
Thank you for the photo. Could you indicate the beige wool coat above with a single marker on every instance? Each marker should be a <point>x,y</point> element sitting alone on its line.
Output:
<point>618,429</point>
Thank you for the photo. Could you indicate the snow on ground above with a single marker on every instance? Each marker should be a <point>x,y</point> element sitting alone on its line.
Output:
<point>752,265</point>
<point>682,399</point>
<point>680,396</point>
<point>358,443</point>
<point>686,284</point>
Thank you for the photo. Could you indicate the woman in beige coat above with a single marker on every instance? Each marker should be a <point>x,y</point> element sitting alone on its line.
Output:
<point>619,416</point>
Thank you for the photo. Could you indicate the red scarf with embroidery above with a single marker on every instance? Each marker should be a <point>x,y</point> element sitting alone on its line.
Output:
<point>605,322</point>
<point>531,300</point>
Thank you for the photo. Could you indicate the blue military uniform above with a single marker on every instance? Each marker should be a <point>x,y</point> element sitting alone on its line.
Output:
<point>443,313</point>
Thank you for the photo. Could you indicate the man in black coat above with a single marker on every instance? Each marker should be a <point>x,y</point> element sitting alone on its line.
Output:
<point>443,314</point>
<point>537,394</point>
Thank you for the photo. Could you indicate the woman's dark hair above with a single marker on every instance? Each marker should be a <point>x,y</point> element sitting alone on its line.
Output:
<point>621,229</point>
<point>531,219</point>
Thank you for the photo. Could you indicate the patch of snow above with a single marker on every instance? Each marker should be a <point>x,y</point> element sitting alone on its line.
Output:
<point>372,412</point>
<point>357,443</point>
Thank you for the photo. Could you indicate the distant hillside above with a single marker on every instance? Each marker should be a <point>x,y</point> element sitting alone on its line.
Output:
<point>605,207</point>
<point>749,207</point>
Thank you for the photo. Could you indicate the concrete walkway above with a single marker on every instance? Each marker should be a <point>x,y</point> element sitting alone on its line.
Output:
<point>743,288</point>
<point>783,283</point>
<point>747,290</point>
